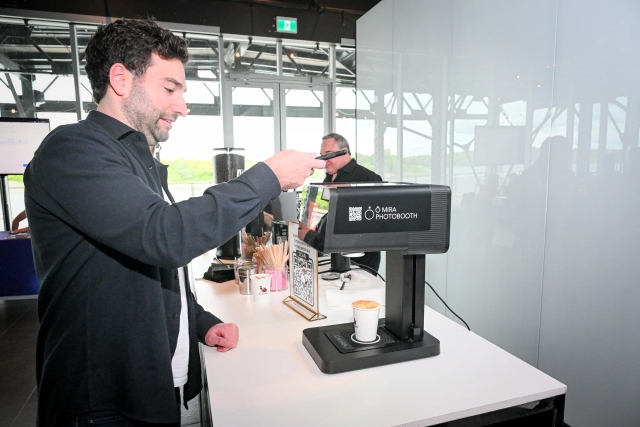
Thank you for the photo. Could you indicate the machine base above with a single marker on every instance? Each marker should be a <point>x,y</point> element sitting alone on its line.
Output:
<point>331,361</point>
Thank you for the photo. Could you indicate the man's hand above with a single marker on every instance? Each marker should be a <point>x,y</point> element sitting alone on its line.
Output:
<point>303,230</point>
<point>222,335</point>
<point>268,219</point>
<point>293,167</point>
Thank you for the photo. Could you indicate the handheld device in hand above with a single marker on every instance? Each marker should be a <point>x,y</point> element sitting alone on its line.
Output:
<point>332,155</point>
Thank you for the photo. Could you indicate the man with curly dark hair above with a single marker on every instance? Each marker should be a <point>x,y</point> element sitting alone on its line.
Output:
<point>118,340</point>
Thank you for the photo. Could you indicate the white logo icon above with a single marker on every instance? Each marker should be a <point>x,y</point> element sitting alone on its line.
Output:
<point>369,213</point>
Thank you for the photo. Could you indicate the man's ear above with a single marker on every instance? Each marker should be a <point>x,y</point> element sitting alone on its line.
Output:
<point>120,79</point>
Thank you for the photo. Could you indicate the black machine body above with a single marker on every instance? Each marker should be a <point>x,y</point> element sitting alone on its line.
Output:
<point>408,221</point>
<point>411,218</point>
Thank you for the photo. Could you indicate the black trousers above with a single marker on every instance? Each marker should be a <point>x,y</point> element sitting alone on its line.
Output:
<point>114,419</point>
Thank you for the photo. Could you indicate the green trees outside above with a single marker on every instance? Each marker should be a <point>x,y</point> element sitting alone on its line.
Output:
<point>189,170</point>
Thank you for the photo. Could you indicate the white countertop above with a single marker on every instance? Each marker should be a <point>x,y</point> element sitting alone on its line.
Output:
<point>271,380</point>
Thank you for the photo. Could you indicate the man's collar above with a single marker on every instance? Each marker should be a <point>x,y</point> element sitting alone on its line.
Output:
<point>349,167</point>
<point>115,127</point>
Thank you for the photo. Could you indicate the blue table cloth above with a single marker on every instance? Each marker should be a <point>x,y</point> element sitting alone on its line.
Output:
<point>17,273</point>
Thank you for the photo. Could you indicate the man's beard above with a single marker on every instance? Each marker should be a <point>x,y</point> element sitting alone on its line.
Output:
<point>143,116</point>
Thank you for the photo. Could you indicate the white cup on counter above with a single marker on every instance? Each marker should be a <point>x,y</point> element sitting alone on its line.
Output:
<point>365,320</point>
<point>260,287</point>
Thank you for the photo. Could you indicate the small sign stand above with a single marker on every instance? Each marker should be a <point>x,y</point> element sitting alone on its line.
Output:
<point>303,277</point>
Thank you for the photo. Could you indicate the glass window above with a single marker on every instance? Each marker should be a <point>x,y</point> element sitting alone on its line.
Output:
<point>305,61</point>
<point>253,122</point>
<point>84,34</point>
<point>35,81</point>
<point>189,150</point>
<point>346,114</point>
<point>367,130</point>
<point>304,121</point>
<point>346,66</point>
<point>248,56</point>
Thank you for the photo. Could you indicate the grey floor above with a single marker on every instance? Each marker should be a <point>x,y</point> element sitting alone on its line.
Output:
<point>18,332</point>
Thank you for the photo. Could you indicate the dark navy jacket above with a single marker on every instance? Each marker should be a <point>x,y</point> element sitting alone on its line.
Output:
<point>106,248</point>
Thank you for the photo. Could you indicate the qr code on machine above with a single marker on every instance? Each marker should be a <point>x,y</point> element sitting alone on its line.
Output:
<point>355,213</point>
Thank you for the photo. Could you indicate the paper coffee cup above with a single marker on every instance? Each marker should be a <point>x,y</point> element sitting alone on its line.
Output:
<point>365,319</point>
<point>260,287</point>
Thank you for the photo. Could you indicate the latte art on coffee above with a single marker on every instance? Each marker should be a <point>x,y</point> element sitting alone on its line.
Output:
<point>365,304</point>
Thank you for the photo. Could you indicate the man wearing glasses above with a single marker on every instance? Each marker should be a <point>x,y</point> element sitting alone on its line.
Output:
<point>341,169</point>
<point>344,168</point>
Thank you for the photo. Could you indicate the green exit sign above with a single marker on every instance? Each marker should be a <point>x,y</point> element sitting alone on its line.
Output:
<point>287,25</point>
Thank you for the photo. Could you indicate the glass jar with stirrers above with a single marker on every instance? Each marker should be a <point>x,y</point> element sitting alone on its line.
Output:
<point>249,244</point>
<point>275,259</point>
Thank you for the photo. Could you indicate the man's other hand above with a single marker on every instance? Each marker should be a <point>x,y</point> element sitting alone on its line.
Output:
<point>222,335</point>
<point>303,230</point>
<point>293,167</point>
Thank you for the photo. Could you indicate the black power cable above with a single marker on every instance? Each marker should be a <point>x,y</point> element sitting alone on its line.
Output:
<point>445,304</point>
<point>371,270</point>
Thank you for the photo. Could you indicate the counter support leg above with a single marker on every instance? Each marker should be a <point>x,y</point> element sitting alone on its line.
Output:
<point>6,209</point>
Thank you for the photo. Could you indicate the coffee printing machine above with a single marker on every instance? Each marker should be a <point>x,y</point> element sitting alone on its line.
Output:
<point>406,220</point>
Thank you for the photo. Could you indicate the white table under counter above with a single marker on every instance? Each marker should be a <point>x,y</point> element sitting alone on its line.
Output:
<point>271,380</point>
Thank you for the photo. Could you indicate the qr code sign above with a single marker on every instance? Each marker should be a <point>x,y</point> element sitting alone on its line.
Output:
<point>355,213</point>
